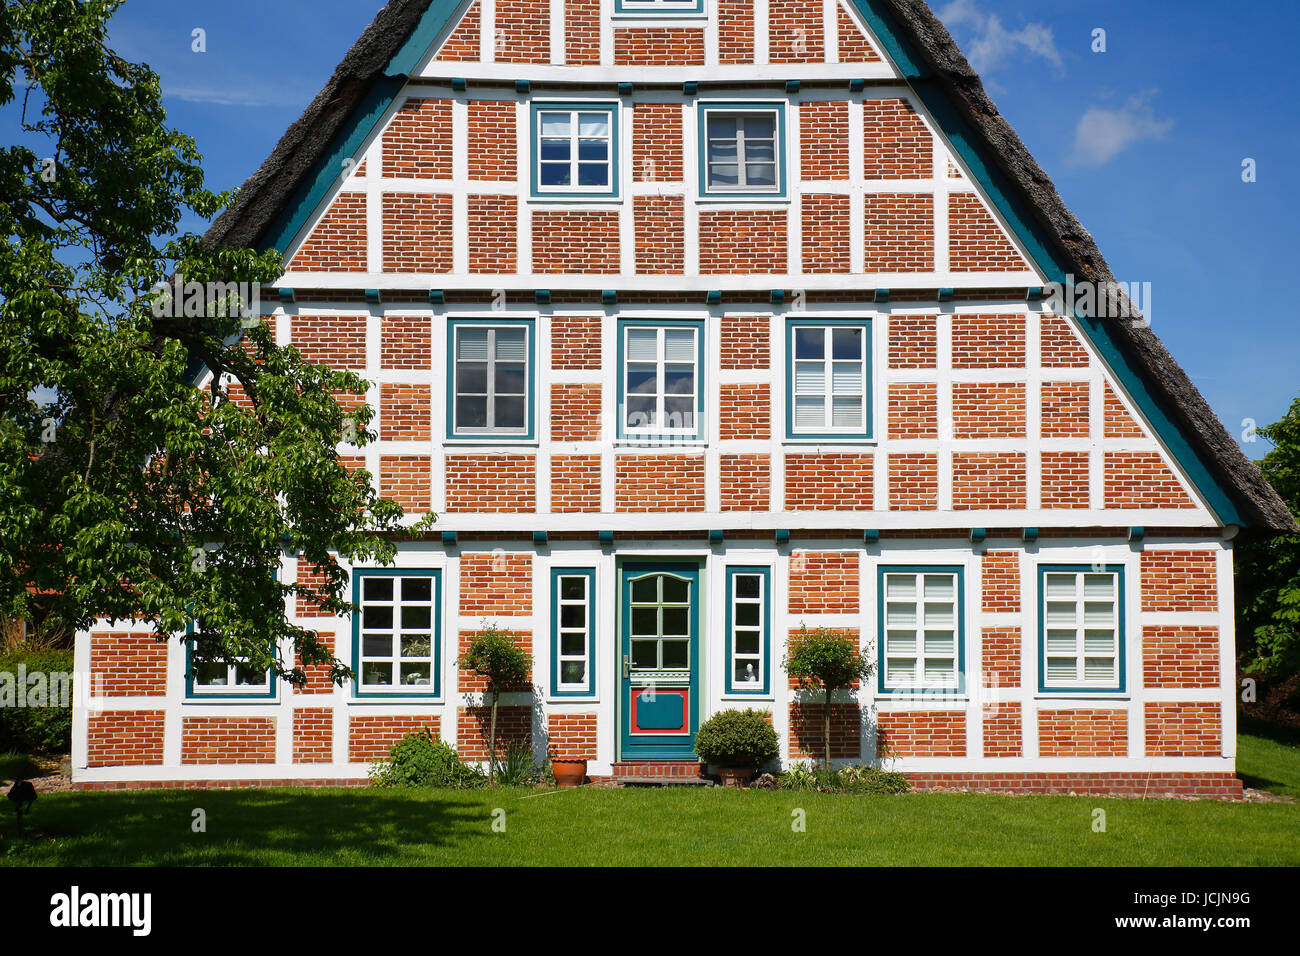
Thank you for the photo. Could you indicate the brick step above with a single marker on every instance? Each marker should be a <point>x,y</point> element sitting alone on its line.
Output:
<point>659,773</point>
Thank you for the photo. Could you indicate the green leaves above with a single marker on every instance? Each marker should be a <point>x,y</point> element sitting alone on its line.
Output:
<point>824,659</point>
<point>493,654</point>
<point>737,738</point>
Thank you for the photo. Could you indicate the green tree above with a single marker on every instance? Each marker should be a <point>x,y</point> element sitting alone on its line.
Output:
<point>126,490</point>
<point>493,654</point>
<point>1268,568</point>
<point>826,660</point>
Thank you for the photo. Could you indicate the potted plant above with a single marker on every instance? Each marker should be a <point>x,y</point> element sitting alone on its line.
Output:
<point>569,771</point>
<point>494,654</point>
<point>738,742</point>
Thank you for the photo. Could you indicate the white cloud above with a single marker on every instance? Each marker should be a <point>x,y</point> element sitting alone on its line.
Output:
<point>1102,134</point>
<point>991,44</point>
<point>231,97</point>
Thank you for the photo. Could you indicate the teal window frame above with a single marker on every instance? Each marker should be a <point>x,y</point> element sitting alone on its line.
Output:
<point>869,425</point>
<point>658,8</point>
<point>920,688</point>
<point>530,403</point>
<point>762,688</point>
<point>194,691</point>
<point>661,437</point>
<point>359,577</point>
<point>1121,636</point>
<point>781,149</point>
<point>589,687</point>
<point>536,190</point>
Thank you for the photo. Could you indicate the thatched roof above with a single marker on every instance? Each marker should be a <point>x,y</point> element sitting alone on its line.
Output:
<point>267,195</point>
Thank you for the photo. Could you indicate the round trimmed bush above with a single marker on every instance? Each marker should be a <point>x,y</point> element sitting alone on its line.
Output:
<point>737,738</point>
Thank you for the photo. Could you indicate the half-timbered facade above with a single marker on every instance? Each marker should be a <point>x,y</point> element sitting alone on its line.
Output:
<point>699,323</point>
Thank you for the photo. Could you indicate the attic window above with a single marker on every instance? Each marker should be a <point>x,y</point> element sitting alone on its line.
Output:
<point>658,7</point>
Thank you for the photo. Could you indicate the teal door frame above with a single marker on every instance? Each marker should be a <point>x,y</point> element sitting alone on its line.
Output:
<point>648,698</point>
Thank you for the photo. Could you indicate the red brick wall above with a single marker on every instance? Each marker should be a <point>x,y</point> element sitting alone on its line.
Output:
<point>735,31</point>
<point>1180,656</point>
<point>1082,733</point>
<point>823,582</point>
<point>404,412</point>
<point>914,482</point>
<point>657,143</point>
<point>658,46</point>
<point>975,243</point>
<point>825,229</point>
<point>1000,656</point>
<point>746,482</point>
<point>896,143</point>
<point>417,233</point>
<point>837,482</point>
<point>745,342</point>
<point>1119,423</point>
<point>312,577</point>
<point>582,32</point>
<point>575,342</point>
<point>1065,410</point>
<point>463,44</point>
<point>318,675</point>
<point>406,342</point>
<point>497,583</point>
<point>913,341</point>
<point>1002,729</point>
<point>493,234</point>
<point>913,410</point>
<point>472,682</point>
<point>492,145</point>
<point>742,241</point>
<point>854,45</point>
<point>1001,573</point>
<point>572,736</point>
<point>118,738</point>
<point>988,410</point>
<point>1141,479</point>
<point>1179,581</point>
<point>338,241</point>
<point>807,730</point>
<point>824,140</point>
<point>660,225</point>
<point>214,740</point>
<point>922,733</point>
<point>575,483</point>
<point>575,412</point>
<point>417,143</point>
<point>313,735</point>
<point>993,480</point>
<point>899,234</point>
<point>338,340</point>
<point>575,242</point>
<point>523,31</point>
<point>795,32</point>
<point>988,341</point>
<point>1059,346</point>
<point>370,735</point>
<point>406,480</point>
<point>514,724</point>
<point>128,665</point>
<point>1183,730</point>
<point>491,483</point>
<point>659,483</point>
<point>746,412</point>
<point>1065,479</point>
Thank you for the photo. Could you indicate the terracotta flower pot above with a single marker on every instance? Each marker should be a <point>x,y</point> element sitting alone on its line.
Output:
<point>569,773</point>
<point>735,776</point>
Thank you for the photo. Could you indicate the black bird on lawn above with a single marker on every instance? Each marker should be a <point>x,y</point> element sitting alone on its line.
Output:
<point>23,795</point>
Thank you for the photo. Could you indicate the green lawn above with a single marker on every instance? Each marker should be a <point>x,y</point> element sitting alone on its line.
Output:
<point>659,827</point>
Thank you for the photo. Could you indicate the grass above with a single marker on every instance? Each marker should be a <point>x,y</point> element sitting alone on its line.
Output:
<point>1269,759</point>
<point>14,765</point>
<point>307,827</point>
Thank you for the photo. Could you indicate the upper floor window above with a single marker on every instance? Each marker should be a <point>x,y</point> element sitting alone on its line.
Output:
<point>921,629</point>
<point>1081,628</point>
<point>743,150</point>
<point>661,393</point>
<point>396,634</point>
<point>490,384</point>
<point>575,149</point>
<point>658,7</point>
<point>829,379</point>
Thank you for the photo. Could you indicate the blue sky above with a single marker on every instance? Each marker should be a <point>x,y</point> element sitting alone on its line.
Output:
<point>1145,141</point>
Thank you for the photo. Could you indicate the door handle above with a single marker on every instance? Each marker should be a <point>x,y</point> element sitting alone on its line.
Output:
<point>627,666</point>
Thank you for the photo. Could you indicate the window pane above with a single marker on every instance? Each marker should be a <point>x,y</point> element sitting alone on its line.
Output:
<point>746,672</point>
<point>510,412</point>
<point>940,643</point>
<point>676,621</point>
<point>471,378</point>
<point>554,124</point>
<point>377,645</point>
<point>1061,642</point>
<point>416,617</point>
<point>1060,587</point>
<point>573,644</point>
<point>757,127</point>
<point>376,672</point>
<point>901,643</point>
<point>417,589</point>
<point>679,380</point>
<point>676,591</point>
<point>847,343</point>
<point>511,379</point>
<point>1098,670</point>
<point>593,124</point>
<point>809,343</point>
<point>676,654</point>
<point>810,378</point>
<point>846,412</point>
<point>512,344</point>
<point>593,174</point>
<point>645,590</point>
<point>1098,587</point>
<point>846,378</point>
<point>748,615</point>
<point>1060,670</point>
<point>471,412</point>
<point>1097,643</point>
<point>642,379</point>
<point>472,344</point>
<point>556,174</point>
<point>721,124</point>
<point>573,615</point>
<point>573,588</point>
<point>747,642</point>
<point>902,671</point>
<point>593,150</point>
<point>641,413</point>
<point>642,345</point>
<point>417,645</point>
<point>211,674</point>
<point>748,585</point>
<point>377,589</point>
<point>574,672</point>
<point>940,672</point>
<point>376,616</point>
<point>555,150</point>
<point>900,615</point>
<point>645,653</point>
<point>809,413</point>
<point>645,621</point>
<point>1060,614</point>
<point>760,174</point>
<point>760,151</point>
<point>679,345</point>
<point>416,674</point>
<point>901,587</point>
<point>724,175</point>
<point>679,413</point>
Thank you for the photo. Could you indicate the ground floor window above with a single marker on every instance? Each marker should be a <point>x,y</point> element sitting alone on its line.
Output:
<point>573,606</point>
<point>396,633</point>
<point>748,629</point>
<point>216,680</point>
<point>921,629</point>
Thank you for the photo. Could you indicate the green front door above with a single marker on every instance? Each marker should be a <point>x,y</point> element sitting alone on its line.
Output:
<point>659,640</point>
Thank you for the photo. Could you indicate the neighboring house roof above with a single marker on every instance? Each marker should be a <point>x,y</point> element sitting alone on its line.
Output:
<point>298,174</point>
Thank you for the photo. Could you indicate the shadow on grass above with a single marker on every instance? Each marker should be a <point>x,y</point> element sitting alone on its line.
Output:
<point>1288,736</point>
<point>242,828</point>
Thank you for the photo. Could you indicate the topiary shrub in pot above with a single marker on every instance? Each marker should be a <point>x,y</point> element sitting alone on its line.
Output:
<point>738,742</point>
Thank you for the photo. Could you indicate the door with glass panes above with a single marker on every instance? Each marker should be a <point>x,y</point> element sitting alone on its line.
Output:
<point>659,629</point>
